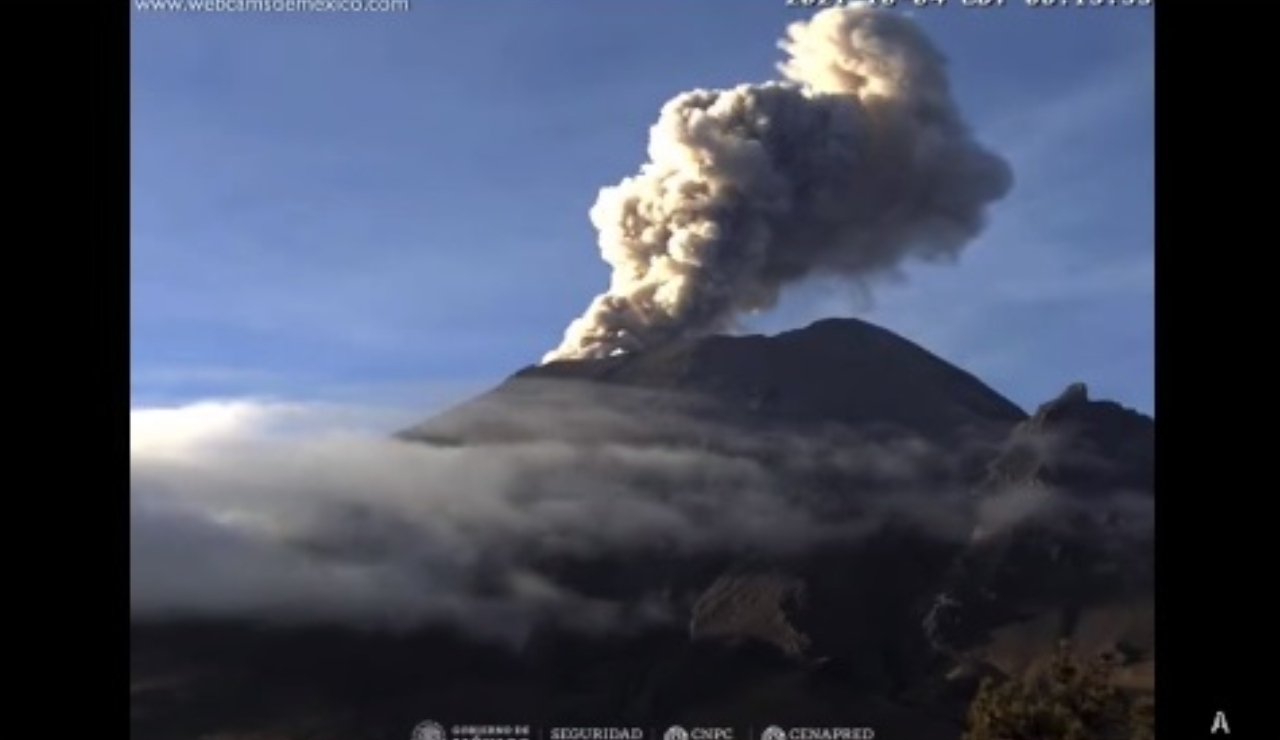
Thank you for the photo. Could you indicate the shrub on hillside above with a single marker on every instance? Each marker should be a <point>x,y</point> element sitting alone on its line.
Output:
<point>1068,700</point>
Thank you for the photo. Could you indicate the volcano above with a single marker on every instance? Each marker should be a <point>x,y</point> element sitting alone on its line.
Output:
<point>1037,530</point>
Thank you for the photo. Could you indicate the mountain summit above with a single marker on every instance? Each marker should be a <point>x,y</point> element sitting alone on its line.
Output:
<point>842,529</point>
<point>843,372</point>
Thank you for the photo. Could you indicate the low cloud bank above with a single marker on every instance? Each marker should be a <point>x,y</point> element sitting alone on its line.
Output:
<point>299,512</point>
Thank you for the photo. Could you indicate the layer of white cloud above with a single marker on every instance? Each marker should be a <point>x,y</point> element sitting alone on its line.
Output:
<point>303,512</point>
<point>310,511</point>
<point>207,427</point>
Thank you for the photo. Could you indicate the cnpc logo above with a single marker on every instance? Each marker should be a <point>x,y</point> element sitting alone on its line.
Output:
<point>698,733</point>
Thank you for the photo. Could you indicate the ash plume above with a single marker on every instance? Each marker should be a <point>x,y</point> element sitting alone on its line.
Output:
<point>858,161</point>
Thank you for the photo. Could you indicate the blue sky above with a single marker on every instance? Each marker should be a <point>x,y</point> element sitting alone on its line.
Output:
<point>392,208</point>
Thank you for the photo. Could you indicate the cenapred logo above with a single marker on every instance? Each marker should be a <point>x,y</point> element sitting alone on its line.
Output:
<point>773,732</point>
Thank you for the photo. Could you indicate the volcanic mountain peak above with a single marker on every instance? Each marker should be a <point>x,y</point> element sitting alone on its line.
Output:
<point>830,366</point>
<point>835,371</point>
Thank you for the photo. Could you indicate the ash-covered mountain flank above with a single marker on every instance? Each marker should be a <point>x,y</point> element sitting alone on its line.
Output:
<point>828,526</point>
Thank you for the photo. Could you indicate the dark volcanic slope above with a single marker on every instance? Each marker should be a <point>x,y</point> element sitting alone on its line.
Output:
<point>836,371</point>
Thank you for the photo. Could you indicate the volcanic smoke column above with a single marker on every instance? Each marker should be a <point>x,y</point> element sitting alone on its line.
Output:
<point>857,162</point>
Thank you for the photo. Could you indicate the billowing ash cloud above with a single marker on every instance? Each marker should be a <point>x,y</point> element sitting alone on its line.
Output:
<point>856,163</point>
